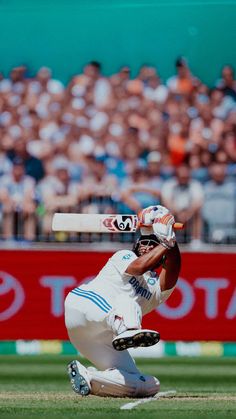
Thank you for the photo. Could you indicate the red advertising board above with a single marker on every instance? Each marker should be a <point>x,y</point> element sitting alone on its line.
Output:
<point>33,285</point>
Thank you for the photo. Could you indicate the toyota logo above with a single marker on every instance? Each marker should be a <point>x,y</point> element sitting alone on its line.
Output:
<point>9,283</point>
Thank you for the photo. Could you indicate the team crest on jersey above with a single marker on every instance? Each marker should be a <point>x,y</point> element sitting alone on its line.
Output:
<point>121,223</point>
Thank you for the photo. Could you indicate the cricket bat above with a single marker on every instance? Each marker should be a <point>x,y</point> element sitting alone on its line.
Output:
<point>98,223</point>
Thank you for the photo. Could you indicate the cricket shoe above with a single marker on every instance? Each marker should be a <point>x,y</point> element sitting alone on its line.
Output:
<point>79,378</point>
<point>135,338</point>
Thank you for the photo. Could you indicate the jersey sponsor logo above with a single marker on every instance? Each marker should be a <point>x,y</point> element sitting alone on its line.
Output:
<point>121,223</point>
<point>139,289</point>
<point>10,285</point>
<point>127,257</point>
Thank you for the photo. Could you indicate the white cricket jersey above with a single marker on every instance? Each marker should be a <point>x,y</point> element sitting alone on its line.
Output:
<point>112,281</point>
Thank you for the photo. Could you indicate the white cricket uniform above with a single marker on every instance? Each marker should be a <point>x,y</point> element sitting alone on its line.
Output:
<point>87,308</point>
<point>113,281</point>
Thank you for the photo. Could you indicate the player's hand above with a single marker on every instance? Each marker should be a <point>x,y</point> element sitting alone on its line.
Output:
<point>147,216</point>
<point>163,229</point>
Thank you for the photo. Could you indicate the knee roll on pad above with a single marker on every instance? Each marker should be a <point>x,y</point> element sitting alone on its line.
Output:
<point>118,383</point>
<point>147,386</point>
<point>127,314</point>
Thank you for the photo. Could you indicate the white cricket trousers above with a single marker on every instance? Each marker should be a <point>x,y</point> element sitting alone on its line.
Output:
<point>85,318</point>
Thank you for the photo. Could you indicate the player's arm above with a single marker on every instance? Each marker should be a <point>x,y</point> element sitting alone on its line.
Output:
<point>146,262</point>
<point>128,199</point>
<point>162,224</point>
<point>170,268</point>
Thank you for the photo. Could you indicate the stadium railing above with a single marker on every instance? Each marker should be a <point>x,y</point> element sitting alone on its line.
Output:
<point>109,205</point>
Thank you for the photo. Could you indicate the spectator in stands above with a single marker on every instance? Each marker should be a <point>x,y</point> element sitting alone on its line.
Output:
<point>227,84</point>
<point>17,196</point>
<point>220,105</point>
<point>177,140</point>
<point>33,166</point>
<point>154,169</point>
<point>199,171</point>
<point>17,74</point>
<point>137,192</point>
<point>184,197</point>
<point>154,89</point>
<point>57,192</point>
<point>46,83</point>
<point>121,78</point>
<point>106,128</point>
<point>206,130</point>
<point>183,82</point>
<point>99,187</point>
<point>18,82</point>
<point>5,163</point>
<point>229,145</point>
<point>92,83</point>
<point>219,208</point>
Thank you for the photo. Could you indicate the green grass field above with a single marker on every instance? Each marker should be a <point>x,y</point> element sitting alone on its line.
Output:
<point>37,386</point>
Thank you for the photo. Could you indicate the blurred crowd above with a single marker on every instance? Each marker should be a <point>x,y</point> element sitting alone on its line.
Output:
<point>115,145</point>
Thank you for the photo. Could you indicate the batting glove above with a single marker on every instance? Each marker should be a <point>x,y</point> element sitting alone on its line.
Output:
<point>163,229</point>
<point>147,216</point>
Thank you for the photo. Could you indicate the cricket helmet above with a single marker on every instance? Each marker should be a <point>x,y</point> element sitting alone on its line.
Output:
<point>148,240</point>
<point>145,240</point>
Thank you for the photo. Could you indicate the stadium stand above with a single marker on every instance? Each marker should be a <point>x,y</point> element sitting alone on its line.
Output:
<point>116,144</point>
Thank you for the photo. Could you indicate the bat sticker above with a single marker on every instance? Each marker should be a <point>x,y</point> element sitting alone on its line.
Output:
<point>121,223</point>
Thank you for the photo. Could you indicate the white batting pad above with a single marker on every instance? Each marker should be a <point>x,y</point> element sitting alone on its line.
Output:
<point>129,315</point>
<point>118,383</point>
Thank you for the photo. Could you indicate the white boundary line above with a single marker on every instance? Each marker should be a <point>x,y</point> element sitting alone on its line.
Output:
<point>131,405</point>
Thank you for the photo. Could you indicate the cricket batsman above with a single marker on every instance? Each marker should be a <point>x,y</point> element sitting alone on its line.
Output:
<point>103,317</point>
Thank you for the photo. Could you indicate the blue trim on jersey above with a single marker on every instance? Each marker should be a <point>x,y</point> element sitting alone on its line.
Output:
<point>97,296</point>
<point>92,298</point>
